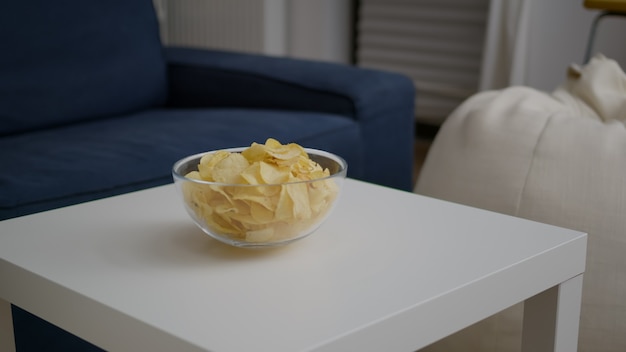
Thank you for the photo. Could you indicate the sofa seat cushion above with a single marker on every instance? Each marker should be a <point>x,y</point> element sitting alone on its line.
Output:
<point>57,167</point>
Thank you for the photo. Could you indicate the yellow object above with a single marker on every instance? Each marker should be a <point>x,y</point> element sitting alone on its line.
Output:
<point>608,8</point>
<point>606,5</point>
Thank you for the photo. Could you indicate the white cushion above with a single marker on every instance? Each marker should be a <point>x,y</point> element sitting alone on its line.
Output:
<point>557,158</point>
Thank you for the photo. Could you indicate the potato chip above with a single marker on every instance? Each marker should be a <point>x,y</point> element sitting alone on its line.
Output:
<point>195,175</point>
<point>207,163</point>
<point>299,195</point>
<point>256,152</point>
<point>273,174</point>
<point>229,169</point>
<point>260,213</point>
<point>262,235</point>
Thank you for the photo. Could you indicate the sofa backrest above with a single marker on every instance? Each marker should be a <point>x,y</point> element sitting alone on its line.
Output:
<point>64,61</point>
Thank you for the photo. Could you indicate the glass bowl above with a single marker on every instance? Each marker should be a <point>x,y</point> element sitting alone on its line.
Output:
<point>260,215</point>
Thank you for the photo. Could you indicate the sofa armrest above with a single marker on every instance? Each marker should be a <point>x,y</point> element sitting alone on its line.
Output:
<point>381,102</point>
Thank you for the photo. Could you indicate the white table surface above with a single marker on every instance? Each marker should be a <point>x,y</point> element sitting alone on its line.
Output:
<point>388,271</point>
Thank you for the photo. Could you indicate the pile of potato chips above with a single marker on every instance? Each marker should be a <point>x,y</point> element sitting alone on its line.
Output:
<point>268,192</point>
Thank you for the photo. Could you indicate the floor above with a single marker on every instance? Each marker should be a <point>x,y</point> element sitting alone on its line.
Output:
<point>420,151</point>
<point>424,135</point>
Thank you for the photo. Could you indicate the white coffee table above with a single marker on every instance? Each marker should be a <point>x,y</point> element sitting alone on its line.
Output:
<point>389,271</point>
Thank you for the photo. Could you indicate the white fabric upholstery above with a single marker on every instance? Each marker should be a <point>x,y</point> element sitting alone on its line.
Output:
<point>556,158</point>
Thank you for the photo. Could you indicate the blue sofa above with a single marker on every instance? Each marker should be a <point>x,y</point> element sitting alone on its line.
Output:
<point>92,105</point>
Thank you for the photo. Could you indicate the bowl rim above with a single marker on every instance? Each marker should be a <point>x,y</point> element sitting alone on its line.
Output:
<point>342,172</point>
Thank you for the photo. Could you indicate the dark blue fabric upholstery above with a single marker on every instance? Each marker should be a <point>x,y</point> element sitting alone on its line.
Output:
<point>59,66</point>
<point>33,334</point>
<point>91,105</point>
<point>93,159</point>
<point>382,103</point>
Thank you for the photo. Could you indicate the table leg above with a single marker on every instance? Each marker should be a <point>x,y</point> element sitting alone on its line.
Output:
<point>7,341</point>
<point>551,318</point>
